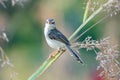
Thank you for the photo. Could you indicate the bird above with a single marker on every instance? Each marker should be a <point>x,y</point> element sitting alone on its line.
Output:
<point>58,40</point>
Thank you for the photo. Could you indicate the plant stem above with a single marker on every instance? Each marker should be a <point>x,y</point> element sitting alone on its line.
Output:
<point>49,61</point>
<point>45,65</point>
<point>86,10</point>
<point>83,24</point>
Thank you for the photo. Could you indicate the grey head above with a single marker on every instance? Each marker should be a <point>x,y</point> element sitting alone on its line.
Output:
<point>50,21</point>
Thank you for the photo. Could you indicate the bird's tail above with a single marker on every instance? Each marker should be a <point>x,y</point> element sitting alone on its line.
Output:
<point>74,53</point>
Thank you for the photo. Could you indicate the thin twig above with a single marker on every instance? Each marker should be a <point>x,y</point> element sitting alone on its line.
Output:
<point>83,24</point>
<point>86,11</point>
<point>78,37</point>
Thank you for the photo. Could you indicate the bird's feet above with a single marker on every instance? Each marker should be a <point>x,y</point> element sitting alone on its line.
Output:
<point>61,50</point>
<point>52,55</point>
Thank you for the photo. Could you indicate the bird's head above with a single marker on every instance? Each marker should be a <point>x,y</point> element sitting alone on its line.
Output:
<point>50,23</point>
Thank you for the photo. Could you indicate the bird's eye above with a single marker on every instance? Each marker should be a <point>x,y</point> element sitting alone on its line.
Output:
<point>52,22</point>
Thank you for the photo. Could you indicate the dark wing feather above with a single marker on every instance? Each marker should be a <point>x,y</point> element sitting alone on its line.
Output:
<point>57,35</point>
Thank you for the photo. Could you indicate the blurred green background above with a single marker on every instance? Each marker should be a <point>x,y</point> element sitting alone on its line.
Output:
<point>27,48</point>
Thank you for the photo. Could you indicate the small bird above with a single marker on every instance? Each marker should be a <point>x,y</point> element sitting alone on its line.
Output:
<point>57,40</point>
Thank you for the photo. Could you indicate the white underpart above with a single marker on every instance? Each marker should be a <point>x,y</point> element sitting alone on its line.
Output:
<point>52,43</point>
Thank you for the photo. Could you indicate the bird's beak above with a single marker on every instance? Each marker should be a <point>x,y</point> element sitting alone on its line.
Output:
<point>49,23</point>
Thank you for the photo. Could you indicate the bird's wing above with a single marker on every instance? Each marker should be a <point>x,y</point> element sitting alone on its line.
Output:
<point>57,35</point>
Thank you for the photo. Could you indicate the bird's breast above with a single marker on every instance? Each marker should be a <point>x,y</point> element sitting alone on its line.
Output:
<point>51,42</point>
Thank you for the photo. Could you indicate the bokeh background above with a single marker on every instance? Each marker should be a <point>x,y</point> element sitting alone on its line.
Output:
<point>27,48</point>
